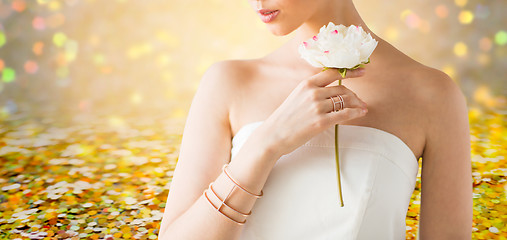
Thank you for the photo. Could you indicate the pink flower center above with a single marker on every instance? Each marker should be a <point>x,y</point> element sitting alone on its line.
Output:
<point>326,51</point>
<point>305,44</point>
<point>315,38</point>
<point>335,32</point>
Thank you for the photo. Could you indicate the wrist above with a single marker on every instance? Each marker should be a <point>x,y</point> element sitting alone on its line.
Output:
<point>269,145</point>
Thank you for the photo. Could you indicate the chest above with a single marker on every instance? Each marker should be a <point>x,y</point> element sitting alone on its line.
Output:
<point>392,106</point>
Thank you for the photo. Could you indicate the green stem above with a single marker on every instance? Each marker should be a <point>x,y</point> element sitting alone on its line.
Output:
<point>337,154</point>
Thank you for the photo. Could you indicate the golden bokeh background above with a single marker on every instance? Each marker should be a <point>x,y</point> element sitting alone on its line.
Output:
<point>88,55</point>
<point>101,89</point>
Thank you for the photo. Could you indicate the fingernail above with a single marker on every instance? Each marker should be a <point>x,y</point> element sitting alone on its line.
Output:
<point>361,70</point>
<point>365,110</point>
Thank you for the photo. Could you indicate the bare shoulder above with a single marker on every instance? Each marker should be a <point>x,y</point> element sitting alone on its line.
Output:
<point>436,90</point>
<point>434,81</point>
<point>446,209</point>
<point>225,78</point>
<point>226,74</point>
<point>443,104</point>
<point>228,82</point>
<point>206,140</point>
<point>229,75</point>
<point>230,68</point>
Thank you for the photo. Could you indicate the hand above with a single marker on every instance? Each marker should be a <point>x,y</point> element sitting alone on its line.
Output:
<point>308,110</point>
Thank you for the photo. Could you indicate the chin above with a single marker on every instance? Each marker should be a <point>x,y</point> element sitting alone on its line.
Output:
<point>279,31</point>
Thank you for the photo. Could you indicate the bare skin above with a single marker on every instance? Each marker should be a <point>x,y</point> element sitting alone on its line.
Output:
<point>420,105</point>
<point>387,100</point>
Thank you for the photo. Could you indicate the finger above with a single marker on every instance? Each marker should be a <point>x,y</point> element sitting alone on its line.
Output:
<point>349,101</point>
<point>333,91</point>
<point>330,75</point>
<point>344,115</point>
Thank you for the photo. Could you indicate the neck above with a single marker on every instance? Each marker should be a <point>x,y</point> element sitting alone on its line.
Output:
<point>339,12</point>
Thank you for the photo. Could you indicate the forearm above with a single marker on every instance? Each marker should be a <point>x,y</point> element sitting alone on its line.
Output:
<point>447,216</point>
<point>250,168</point>
<point>437,234</point>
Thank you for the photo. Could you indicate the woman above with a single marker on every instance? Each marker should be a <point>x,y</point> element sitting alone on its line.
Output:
<point>279,179</point>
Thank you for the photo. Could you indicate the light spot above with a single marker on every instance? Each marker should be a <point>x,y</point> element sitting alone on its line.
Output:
<point>442,11</point>
<point>501,38</point>
<point>38,23</point>
<point>449,70</point>
<point>460,3</point>
<point>59,39</point>
<point>465,17</point>
<point>37,48</point>
<point>485,44</point>
<point>3,39</point>
<point>460,49</point>
<point>8,74</point>
<point>31,67</point>
<point>392,33</point>
<point>18,5</point>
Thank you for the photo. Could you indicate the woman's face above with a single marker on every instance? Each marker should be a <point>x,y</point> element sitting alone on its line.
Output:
<point>291,13</point>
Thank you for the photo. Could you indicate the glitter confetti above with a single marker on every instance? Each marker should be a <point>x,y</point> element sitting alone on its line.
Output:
<point>110,193</point>
<point>48,191</point>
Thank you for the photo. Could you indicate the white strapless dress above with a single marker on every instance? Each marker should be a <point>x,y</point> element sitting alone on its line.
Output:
<point>301,198</point>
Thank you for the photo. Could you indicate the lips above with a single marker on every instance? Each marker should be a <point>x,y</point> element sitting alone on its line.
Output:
<point>267,15</point>
<point>265,11</point>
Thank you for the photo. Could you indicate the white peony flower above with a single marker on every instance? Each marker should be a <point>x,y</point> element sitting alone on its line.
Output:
<point>337,46</point>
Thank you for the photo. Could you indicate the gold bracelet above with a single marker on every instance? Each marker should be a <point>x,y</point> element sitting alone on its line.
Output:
<point>206,195</point>
<point>238,185</point>
<point>223,201</point>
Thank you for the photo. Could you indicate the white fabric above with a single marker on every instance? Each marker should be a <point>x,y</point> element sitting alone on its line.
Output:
<point>301,198</point>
